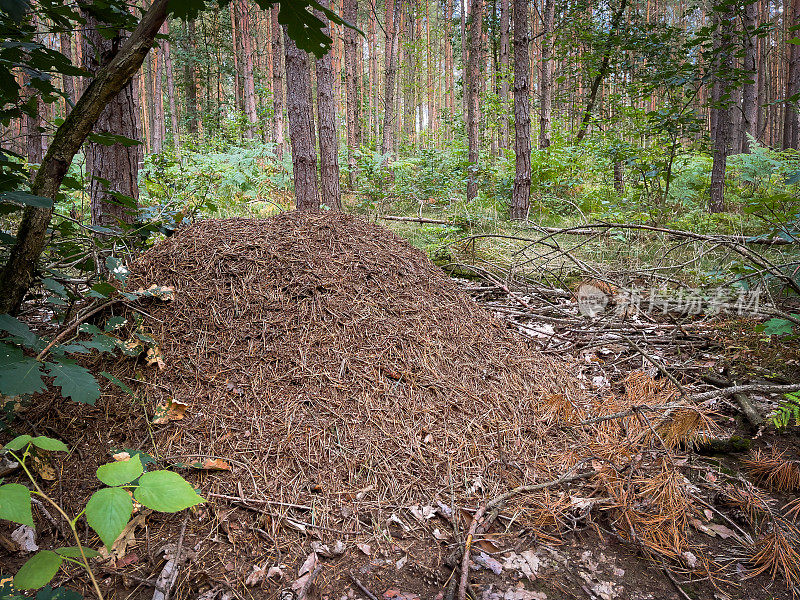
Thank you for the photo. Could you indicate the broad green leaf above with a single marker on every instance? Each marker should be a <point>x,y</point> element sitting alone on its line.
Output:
<point>120,472</point>
<point>38,571</point>
<point>113,379</point>
<point>778,327</point>
<point>107,512</point>
<point>15,504</point>
<point>26,199</point>
<point>102,290</point>
<point>75,552</point>
<point>19,374</point>
<point>49,444</point>
<point>166,491</point>
<point>75,381</point>
<point>18,330</point>
<point>115,323</point>
<point>59,593</point>
<point>18,443</point>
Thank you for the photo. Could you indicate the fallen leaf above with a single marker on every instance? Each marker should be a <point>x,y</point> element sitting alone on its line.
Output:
<point>424,513</point>
<point>309,565</point>
<point>391,594</point>
<point>121,456</point>
<point>43,468</point>
<point>365,548</point>
<point>256,576</point>
<point>402,562</point>
<point>215,464</point>
<point>25,538</point>
<point>153,357</point>
<point>439,535</point>
<point>275,572</point>
<point>722,531</point>
<point>487,562</point>
<point>171,410</point>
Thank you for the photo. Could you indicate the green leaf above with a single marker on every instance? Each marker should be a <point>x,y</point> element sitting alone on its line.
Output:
<point>119,384</point>
<point>15,504</point>
<point>102,290</point>
<point>115,323</point>
<point>38,571</point>
<point>75,552</point>
<point>15,9</point>
<point>59,593</point>
<point>18,443</point>
<point>778,327</point>
<point>120,472</point>
<point>19,374</point>
<point>107,512</point>
<point>109,139</point>
<point>26,199</point>
<point>75,381</point>
<point>18,330</point>
<point>166,491</point>
<point>49,444</point>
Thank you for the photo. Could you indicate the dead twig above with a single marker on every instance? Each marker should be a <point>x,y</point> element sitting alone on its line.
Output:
<point>362,587</point>
<point>462,585</point>
<point>741,389</point>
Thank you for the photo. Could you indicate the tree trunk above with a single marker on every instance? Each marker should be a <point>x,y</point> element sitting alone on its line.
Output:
<point>298,105</point>
<point>463,15</point>
<point>750,87</point>
<point>393,13</point>
<point>189,83</point>
<point>69,80</point>
<point>505,50</point>
<point>116,164</point>
<point>173,109</point>
<point>473,96</point>
<point>248,83</point>
<point>721,109</point>
<point>604,64</point>
<point>18,273</point>
<point>350,14</point>
<point>409,83</point>
<point>791,120</point>
<point>159,129</point>
<point>520,195</point>
<point>278,122</point>
<point>326,121</point>
<point>546,80</point>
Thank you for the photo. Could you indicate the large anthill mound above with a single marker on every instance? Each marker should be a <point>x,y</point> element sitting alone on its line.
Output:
<point>327,356</point>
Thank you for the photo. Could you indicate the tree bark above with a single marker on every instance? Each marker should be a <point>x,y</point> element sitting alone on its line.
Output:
<point>69,80</point>
<point>18,272</point>
<point>604,65</point>
<point>173,109</point>
<point>248,82</point>
<point>546,80</point>
<point>473,96</point>
<point>520,195</point>
<point>393,10</point>
<point>278,121</point>
<point>750,87</point>
<point>350,14</point>
<point>505,51</point>
<point>721,109</point>
<point>189,83</point>
<point>157,105</point>
<point>326,122</point>
<point>298,105</point>
<point>116,164</point>
<point>791,121</point>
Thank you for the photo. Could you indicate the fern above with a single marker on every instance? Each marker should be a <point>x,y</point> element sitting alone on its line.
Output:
<point>788,412</point>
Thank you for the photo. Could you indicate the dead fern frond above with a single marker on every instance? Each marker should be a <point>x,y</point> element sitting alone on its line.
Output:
<point>774,471</point>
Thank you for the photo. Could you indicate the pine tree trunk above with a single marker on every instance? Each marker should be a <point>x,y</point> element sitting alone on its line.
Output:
<point>350,14</point>
<point>393,15</point>
<point>750,87</point>
<point>189,83</point>
<point>278,122</point>
<point>463,14</point>
<point>298,105</point>
<point>505,22</point>
<point>326,121</point>
<point>69,80</point>
<point>520,195</point>
<point>791,121</point>
<point>409,83</point>
<point>721,110</point>
<point>159,129</point>
<point>473,96</point>
<point>117,164</point>
<point>173,108</point>
<point>546,80</point>
<point>449,84</point>
<point>248,82</point>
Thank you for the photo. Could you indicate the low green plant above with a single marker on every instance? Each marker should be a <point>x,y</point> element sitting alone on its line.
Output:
<point>107,512</point>
<point>788,412</point>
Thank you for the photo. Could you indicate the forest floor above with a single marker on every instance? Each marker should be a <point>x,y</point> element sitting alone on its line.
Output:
<point>570,540</point>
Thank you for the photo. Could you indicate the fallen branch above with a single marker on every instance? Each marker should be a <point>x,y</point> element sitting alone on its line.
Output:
<point>526,489</point>
<point>465,558</point>
<point>362,587</point>
<point>742,389</point>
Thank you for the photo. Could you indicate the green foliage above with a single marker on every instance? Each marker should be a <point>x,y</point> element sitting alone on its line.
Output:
<point>107,512</point>
<point>778,327</point>
<point>788,412</point>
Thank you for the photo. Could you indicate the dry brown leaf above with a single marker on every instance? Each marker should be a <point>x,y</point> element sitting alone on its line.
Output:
<point>153,357</point>
<point>365,548</point>
<point>171,410</point>
<point>43,468</point>
<point>215,464</point>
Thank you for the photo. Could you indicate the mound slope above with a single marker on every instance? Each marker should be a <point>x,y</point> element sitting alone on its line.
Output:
<point>327,356</point>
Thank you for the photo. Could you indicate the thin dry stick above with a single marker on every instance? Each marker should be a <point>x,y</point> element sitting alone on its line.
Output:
<point>362,587</point>
<point>78,320</point>
<point>526,489</point>
<point>462,585</point>
<point>661,368</point>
